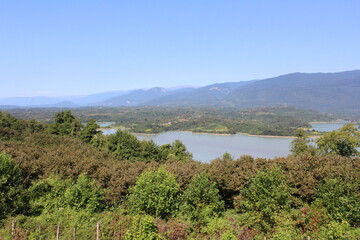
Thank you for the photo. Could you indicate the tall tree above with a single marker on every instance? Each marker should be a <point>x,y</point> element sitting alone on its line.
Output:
<point>302,144</point>
<point>89,131</point>
<point>267,193</point>
<point>124,145</point>
<point>343,142</point>
<point>65,125</point>
<point>201,199</point>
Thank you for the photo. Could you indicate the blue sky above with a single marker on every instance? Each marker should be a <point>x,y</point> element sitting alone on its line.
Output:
<point>64,48</point>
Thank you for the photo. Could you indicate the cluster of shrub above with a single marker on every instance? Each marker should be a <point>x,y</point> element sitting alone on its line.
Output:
<point>51,174</point>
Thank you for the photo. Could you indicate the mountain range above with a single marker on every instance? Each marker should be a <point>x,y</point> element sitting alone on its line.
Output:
<point>324,92</point>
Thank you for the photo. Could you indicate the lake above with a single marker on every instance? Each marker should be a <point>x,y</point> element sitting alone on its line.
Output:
<point>105,124</point>
<point>206,147</point>
<point>327,127</point>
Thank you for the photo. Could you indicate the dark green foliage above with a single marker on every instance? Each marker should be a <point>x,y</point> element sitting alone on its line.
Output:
<point>54,193</point>
<point>83,194</point>
<point>48,195</point>
<point>341,200</point>
<point>179,152</point>
<point>12,197</point>
<point>150,151</point>
<point>8,121</point>
<point>65,125</point>
<point>11,127</point>
<point>266,194</point>
<point>201,199</point>
<point>89,131</point>
<point>125,145</point>
<point>155,193</point>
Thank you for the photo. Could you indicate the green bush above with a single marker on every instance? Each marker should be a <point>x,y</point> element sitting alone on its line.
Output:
<point>266,194</point>
<point>155,193</point>
<point>12,192</point>
<point>341,200</point>
<point>338,230</point>
<point>54,193</point>
<point>201,199</point>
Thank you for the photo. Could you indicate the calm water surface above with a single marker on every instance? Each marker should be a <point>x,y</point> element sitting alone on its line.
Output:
<point>206,147</point>
<point>327,127</point>
<point>105,124</point>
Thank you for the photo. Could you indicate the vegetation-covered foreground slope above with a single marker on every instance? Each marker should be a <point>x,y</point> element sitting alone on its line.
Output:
<point>67,174</point>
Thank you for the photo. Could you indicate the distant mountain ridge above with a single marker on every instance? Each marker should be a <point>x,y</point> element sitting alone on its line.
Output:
<point>324,92</point>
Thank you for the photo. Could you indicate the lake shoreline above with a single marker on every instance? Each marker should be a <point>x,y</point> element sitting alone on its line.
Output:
<point>218,134</point>
<point>337,121</point>
<point>215,134</point>
<point>268,136</point>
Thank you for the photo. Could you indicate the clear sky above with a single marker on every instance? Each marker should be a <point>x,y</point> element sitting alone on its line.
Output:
<point>63,48</point>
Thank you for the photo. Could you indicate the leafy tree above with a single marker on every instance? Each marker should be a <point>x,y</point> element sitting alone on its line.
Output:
<point>155,193</point>
<point>100,142</point>
<point>8,121</point>
<point>179,151</point>
<point>201,199</point>
<point>302,144</point>
<point>51,194</point>
<point>227,156</point>
<point>341,200</point>
<point>47,195</point>
<point>124,145</point>
<point>89,131</point>
<point>267,193</point>
<point>150,151</point>
<point>65,125</point>
<point>343,141</point>
<point>84,195</point>
<point>12,197</point>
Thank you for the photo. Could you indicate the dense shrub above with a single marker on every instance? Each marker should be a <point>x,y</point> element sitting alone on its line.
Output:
<point>341,200</point>
<point>155,193</point>
<point>46,179</point>
<point>266,194</point>
<point>12,192</point>
<point>201,200</point>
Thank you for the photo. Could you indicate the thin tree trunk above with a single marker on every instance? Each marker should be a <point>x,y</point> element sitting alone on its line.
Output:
<point>58,232</point>
<point>13,229</point>
<point>98,231</point>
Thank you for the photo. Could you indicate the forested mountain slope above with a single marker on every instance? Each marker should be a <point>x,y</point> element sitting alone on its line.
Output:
<point>326,92</point>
